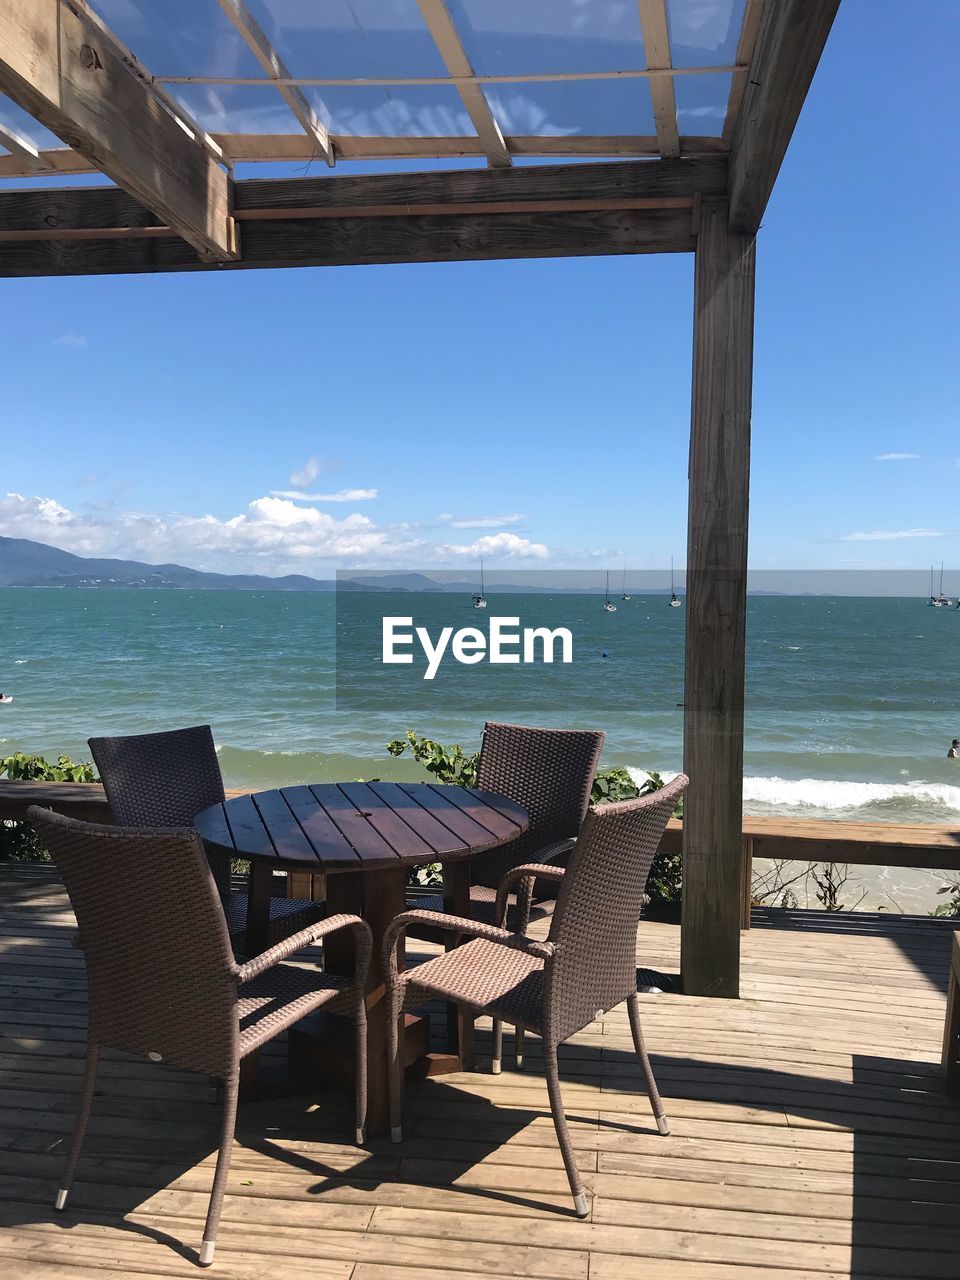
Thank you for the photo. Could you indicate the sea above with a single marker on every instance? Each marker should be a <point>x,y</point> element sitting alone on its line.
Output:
<point>851,703</point>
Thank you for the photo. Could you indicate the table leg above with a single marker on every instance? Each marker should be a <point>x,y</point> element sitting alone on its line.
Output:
<point>257,936</point>
<point>256,939</point>
<point>377,896</point>
<point>456,902</point>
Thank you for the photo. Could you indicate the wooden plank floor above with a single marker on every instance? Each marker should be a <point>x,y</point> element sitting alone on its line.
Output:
<point>810,1136</point>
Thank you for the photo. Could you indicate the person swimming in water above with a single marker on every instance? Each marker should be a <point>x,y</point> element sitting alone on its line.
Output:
<point>954,752</point>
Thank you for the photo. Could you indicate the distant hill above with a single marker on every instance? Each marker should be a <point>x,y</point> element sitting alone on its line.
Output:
<point>421,582</point>
<point>35,564</point>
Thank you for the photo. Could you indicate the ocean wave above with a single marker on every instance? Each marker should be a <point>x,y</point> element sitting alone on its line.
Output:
<point>828,793</point>
<point>839,794</point>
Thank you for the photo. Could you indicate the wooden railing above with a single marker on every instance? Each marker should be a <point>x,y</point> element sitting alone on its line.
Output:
<point>871,844</point>
<point>866,844</point>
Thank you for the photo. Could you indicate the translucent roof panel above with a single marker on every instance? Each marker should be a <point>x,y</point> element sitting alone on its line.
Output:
<point>539,37</point>
<point>179,37</point>
<point>18,122</point>
<point>562,108</point>
<point>702,104</point>
<point>230,108</point>
<point>350,39</point>
<point>704,33</point>
<point>401,111</point>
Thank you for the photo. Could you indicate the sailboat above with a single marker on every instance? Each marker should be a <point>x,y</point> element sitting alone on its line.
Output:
<point>938,601</point>
<point>623,587</point>
<point>480,600</point>
<point>675,601</point>
<point>607,602</point>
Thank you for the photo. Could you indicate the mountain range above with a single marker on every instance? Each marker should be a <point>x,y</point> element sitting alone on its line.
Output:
<point>35,564</point>
<point>24,563</point>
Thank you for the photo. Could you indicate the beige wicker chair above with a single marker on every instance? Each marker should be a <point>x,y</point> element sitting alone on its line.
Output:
<point>164,780</point>
<point>550,772</point>
<point>161,975</point>
<point>554,988</point>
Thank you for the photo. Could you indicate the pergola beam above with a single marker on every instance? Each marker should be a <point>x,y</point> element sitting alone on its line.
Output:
<point>556,210</point>
<point>23,148</point>
<point>656,43</point>
<point>746,45</point>
<point>789,44</point>
<point>446,38</point>
<point>240,148</point>
<point>399,82</point>
<point>259,45</point>
<point>61,70</point>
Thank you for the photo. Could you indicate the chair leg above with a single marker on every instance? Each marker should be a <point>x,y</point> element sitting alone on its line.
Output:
<point>394,1068</point>
<point>633,1008</point>
<point>361,1055</point>
<point>519,1039</point>
<point>230,1096</point>
<point>552,1071</point>
<point>496,1053</point>
<point>80,1124</point>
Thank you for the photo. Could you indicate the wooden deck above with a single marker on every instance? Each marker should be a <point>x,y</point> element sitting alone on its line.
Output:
<point>810,1134</point>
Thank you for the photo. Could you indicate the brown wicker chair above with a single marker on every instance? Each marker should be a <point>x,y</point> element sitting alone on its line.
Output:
<point>554,988</point>
<point>548,771</point>
<point>164,780</point>
<point>161,975</point>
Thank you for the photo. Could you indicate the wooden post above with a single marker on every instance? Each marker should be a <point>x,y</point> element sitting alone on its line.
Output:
<point>951,1028</point>
<point>716,599</point>
<point>746,883</point>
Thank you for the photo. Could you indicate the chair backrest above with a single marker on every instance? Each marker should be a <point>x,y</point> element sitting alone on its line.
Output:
<point>163,780</point>
<point>160,969</point>
<point>548,771</point>
<point>595,923</point>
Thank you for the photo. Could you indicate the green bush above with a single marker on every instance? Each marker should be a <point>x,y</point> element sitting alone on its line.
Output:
<point>23,768</point>
<point>18,843</point>
<point>448,764</point>
<point>452,765</point>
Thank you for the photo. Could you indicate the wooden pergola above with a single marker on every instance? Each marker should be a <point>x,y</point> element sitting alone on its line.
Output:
<point>177,206</point>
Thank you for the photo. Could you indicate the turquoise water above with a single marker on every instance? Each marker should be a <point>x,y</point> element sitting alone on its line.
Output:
<point>851,703</point>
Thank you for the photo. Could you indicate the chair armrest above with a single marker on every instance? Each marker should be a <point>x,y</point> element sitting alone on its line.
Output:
<point>461,925</point>
<point>551,851</point>
<point>363,939</point>
<point>528,872</point>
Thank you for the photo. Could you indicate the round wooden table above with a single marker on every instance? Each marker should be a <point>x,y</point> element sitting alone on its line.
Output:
<point>362,837</point>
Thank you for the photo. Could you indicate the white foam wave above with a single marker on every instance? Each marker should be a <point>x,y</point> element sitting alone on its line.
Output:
<point>835,793</point>
<point>828,793</point>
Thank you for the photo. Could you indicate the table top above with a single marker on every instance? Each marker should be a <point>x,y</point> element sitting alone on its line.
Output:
<point>361,826</point>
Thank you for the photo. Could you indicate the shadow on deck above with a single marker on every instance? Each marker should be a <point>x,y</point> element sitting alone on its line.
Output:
<point>810,1135</point>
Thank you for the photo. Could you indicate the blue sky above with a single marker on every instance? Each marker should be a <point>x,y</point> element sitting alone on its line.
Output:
<point>535,411</point>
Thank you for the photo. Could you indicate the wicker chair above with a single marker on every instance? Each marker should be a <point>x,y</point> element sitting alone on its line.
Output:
<point>164,780</point>
<point>548,771</point>
<point>161,975</point>
<point>554,988</point>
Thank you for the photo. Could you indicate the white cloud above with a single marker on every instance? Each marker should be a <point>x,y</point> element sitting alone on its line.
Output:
<point>70,340</point>
<point>342,495</point>
<point>482,522</point>
<point>890,535</point>
<point>507,545</point>
<point>304,476</point>
<point>896,457</point>
<point>272,535</point>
